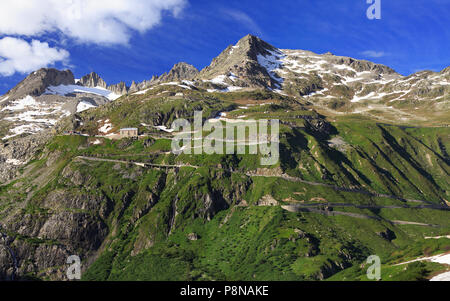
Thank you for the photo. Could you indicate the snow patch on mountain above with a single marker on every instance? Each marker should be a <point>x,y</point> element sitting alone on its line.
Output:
<point>305,66</point>
<point>233,48</point>
<point>442,259</point>
<point>143,91</point>
<point>84,106</point>
<point>21,104</point>
<point>30,116</point>
<point>220,80</point>
<point>70,89</point>
<point>232,89</point>
<point>272,62</point>
<point>371,95</point>
<point>164,129</point>
<point>185,84</point>
<point>106,128</point>
<point>179,84</point>
<point>23,129</point>
<point>14,162</point>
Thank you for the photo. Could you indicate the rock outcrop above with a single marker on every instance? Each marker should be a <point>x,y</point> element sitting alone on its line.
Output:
<point>92,80</point>
<point>363,66</point>
<point>65,230</point>
<point>133,88</point>
<point>37,82</point>
<point>120,88</point>
<point>17,152</point>
<point>241,61</point>
<point>179,72</point>
<point>388,234</point>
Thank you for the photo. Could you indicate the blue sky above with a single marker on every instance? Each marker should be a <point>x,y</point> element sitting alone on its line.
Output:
<point>412,35</point>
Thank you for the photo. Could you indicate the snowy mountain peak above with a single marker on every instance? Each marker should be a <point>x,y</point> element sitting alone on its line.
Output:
<point>242,60</point>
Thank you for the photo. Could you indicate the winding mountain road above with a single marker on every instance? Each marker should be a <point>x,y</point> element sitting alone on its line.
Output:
<point>309,207</point>
<point>253,174</point>
<point>297,209</point>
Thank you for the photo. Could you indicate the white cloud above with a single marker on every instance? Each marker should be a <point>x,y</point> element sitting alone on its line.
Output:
<point>88,21</point>
<point>17,55</point>
<point>373,53</point>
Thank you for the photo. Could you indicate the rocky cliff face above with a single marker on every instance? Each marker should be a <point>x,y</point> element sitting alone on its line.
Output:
<point>37,82</point>
<point>18,152</point>
<point>74,219</point>
<point>240,64</point>
<point>179,72</point>
<point>133,88</point>
<point>92,80</point>
<point>49,239</point>
<point>120,88</point>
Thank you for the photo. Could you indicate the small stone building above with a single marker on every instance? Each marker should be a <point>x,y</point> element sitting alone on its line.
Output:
<point>129,133</point>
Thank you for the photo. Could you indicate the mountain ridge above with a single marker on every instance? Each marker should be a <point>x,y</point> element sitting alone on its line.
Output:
<point>336,84</point>
<point>248,67</point>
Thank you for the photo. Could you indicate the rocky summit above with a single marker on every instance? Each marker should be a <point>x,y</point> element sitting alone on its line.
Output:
<point>179,72</point>
<point>37,82</point>
<point>363,169</point>
<point>92,80</point>
<point>242,63</point>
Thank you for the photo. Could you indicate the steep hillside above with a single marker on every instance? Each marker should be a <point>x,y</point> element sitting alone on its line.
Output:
<point>342,191</point>
<point>363,169</point>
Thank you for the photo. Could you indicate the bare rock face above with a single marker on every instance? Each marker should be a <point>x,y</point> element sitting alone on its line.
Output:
<point>388,235</point>
<point>267,200</point>
<point>192,236</point>
<point>319,127</point>
<point>16,153</point>
<point>133,88</point>
<point>362,66</point>
<point>77,229</point>
<point>92,80</point>
<point>120,88</point>
<point>6,262</point>
<point>64,231</point>
<point>179,72</point>
<point>147,83</point>
<point>37,82</point>
<point>212,204</point>
<point>242,61</point>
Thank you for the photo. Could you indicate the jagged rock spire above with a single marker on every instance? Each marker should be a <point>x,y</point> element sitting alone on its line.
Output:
<point>92,80</point>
